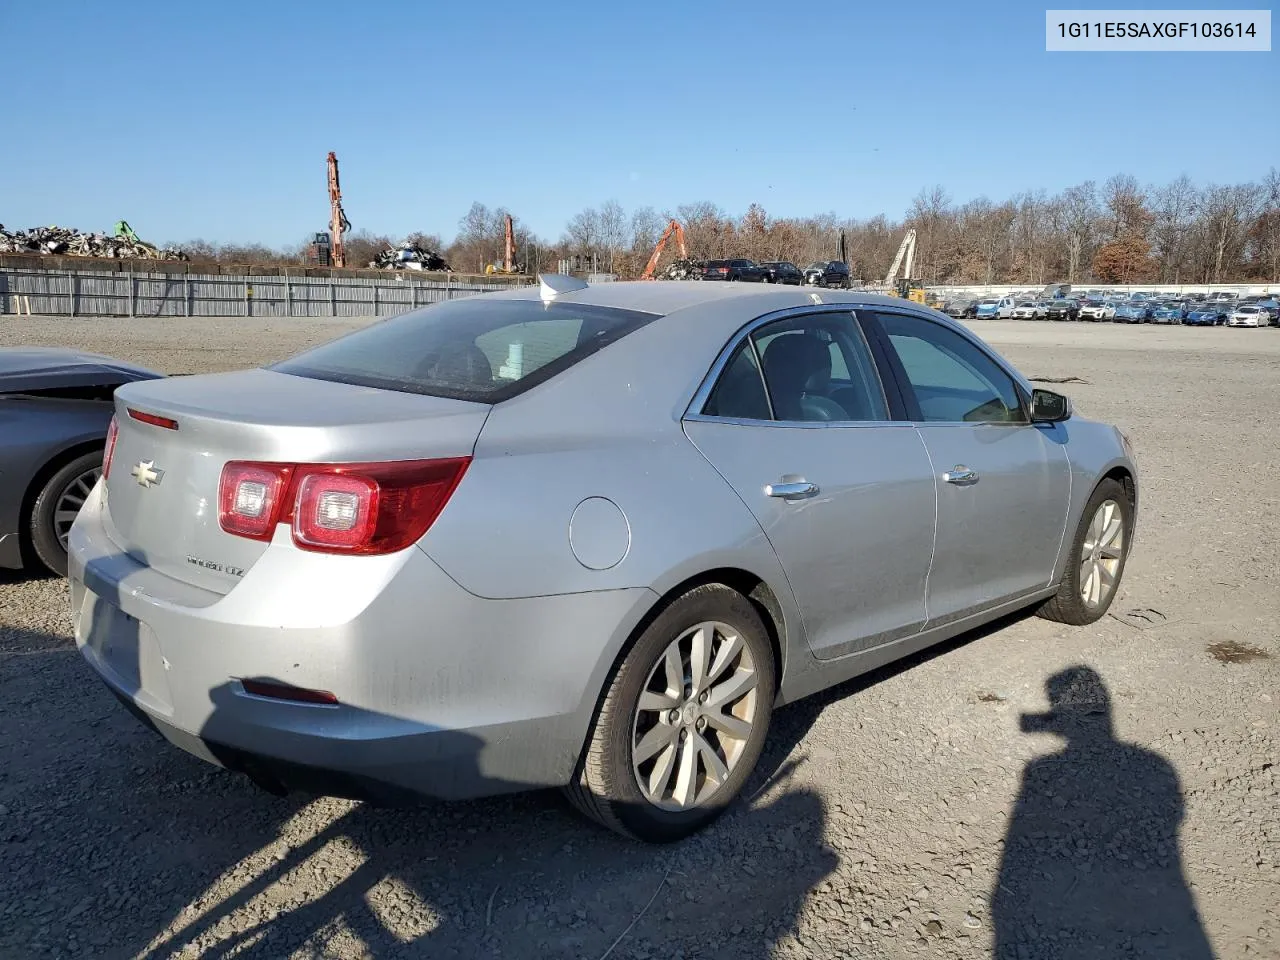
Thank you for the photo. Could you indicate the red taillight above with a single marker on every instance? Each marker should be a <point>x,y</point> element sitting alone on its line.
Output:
<point>362,508</point>
<point>335,511</point>
<point>109,451</point>
<point>250,496</point>
<point>284,691</point>
<point>151,418</point>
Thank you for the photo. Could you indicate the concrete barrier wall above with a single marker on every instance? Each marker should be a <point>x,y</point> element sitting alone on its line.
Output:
<point>85,293</point>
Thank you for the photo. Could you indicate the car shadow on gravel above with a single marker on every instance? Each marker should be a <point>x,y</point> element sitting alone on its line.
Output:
<point>1091,863</point>
<point>136,849</point>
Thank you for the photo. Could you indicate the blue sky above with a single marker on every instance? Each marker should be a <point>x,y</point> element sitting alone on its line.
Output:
<point>214,121</point>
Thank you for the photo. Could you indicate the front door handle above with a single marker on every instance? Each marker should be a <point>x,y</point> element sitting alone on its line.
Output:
<point>960,474</point>
<point>791,489</point>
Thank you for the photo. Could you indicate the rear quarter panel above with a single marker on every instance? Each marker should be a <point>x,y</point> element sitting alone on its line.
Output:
<point>611,428</point>
<point>33,434</point>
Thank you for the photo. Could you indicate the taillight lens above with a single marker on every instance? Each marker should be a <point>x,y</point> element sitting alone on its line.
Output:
<point>110,450</point>
<point>363,508</point>
<point>250,496</point>
<point>335,511</point>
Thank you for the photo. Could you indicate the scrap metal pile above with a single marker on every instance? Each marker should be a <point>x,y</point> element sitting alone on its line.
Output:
<point>684,270</point>
<point>409,256</point>
<point>65,241</point>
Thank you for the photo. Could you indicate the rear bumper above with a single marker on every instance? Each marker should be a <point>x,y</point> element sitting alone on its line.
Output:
<point>440,693</point>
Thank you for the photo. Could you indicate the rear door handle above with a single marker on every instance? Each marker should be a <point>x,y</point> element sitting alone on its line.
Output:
<point>960,474</point>
<point>791,489</point>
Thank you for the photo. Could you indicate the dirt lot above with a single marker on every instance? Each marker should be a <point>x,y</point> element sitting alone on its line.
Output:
<point>906,814</point>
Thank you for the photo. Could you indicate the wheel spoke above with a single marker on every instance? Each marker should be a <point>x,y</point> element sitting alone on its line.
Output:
<point>660,775</point>
<point>674,669</point>
<point>700,655</point>
<point>687,777</point>
<point>654,741</point>
<point>737,686</point>
<point>1095,528</point>
<point>1106,576</point>
<point>715,767</point>
<point>1112,532</point>
<point>1095,584</point>
<point>730,647</point>
<point>65,516</point>
<point>1110,553</point>
<point>729,724</point>
<point>653,700</point>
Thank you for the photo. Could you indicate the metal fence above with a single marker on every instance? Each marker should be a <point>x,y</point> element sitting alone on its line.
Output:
<point>98,294</point>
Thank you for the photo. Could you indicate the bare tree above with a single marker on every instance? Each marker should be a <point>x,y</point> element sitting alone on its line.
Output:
<point>1080,214</point>
<point>646,228</point>
<point>1226,212</point>
<point>1173,211</point>
<point>613,229</point>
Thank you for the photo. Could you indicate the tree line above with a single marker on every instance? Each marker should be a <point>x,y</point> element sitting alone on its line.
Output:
<point>1118,231</point>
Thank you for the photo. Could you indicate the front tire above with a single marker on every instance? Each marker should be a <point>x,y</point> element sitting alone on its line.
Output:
<point>683,720</point>
<point>56,506</point>
<point>1096,563</point>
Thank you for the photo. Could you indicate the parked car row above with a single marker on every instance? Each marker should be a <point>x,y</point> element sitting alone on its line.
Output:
<point>823,273</point>
<point>1205,311</point>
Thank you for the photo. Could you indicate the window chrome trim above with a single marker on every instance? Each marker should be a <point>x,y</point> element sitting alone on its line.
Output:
<point>694,412</point>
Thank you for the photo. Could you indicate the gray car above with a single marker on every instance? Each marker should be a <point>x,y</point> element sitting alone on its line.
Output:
<point>577,536</point>
<point>55,405</point>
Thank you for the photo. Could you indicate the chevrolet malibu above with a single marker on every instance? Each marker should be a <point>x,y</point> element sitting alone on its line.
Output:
<point>577,536</point>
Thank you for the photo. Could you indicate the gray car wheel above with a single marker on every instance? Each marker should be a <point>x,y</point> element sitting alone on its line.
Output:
<point>56,507</point>
<point>1096,563</point>
<point>683,720</point>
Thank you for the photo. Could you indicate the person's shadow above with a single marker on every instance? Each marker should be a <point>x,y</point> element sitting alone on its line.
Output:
<point>1091,865</point>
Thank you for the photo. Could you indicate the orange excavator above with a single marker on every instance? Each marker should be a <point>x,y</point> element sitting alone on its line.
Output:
<point>673,228</point>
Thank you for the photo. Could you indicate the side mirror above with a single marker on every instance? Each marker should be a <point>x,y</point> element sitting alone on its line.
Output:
<point>1049,407</point>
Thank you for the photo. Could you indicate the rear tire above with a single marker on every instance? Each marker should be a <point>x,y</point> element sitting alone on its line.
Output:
<point>1084,598</point>
<point>607,786</point>
<point>62,494</point>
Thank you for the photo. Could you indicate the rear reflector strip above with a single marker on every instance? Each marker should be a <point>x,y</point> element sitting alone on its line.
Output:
<point>152,419</point>
<point>283,691</point>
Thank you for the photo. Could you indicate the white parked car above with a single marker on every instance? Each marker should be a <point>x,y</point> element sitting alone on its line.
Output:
<point>1248,316</point>
<point>1098,310</point>
<point>1028,310</point>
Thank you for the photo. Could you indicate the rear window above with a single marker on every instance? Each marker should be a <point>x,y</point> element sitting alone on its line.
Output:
<point>473,349</point>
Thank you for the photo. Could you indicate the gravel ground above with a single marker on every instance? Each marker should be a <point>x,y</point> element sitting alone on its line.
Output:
<point>905,814</point>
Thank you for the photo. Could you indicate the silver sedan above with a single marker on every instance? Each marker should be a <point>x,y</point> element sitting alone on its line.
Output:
<point>577,536</point>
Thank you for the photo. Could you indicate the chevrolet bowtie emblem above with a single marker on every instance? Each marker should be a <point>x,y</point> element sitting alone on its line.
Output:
<point>145,472</point>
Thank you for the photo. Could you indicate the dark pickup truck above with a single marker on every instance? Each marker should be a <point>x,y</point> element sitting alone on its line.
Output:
<point>745,270</point>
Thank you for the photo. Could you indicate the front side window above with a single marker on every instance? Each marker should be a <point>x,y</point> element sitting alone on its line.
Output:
<point>815,367</point>
<point>953,380</point>
<point>473,349</point>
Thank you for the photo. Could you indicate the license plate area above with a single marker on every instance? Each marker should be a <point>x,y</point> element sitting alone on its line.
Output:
<point>126,650</point>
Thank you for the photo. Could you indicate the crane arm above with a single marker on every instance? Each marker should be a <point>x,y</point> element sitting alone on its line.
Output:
<point>338,222</point>
<point>906,249</point>
<point>673,228</point>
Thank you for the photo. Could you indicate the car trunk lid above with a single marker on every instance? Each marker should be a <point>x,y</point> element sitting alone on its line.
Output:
<point>175,436</point>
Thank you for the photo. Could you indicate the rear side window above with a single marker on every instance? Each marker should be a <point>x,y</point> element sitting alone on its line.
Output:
<point>473,349</point>
<point>815,367</point>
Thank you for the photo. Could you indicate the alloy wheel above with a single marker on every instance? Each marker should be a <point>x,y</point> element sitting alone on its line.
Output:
<point>1101,554</point>
<point>69,502</point>
<point>694,717</point>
